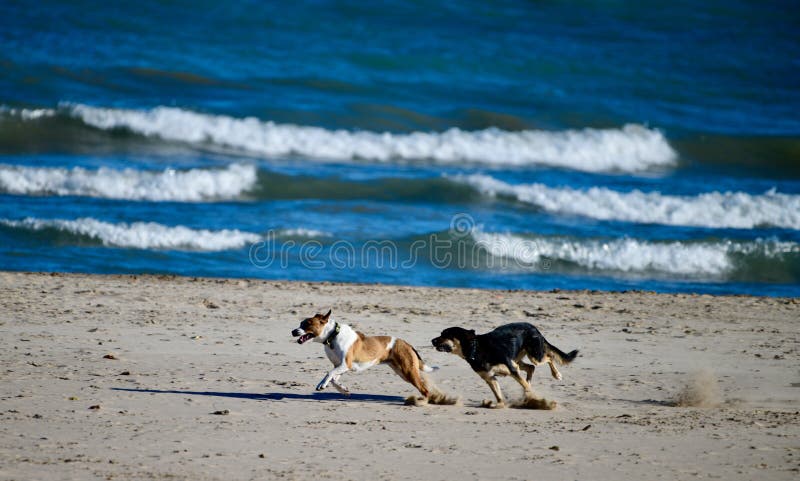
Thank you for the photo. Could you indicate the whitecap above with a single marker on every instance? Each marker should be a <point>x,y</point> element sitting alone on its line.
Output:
<point>712,209</point>
<point>632,148</point>
<point>168,185</point>
<point>691,259</point>
<point>142,235</point>
<point>303,232</point>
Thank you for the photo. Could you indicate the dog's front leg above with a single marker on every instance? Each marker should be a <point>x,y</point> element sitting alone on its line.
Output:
<point>335,372</point>
<point>339,386</point>
<point>495,387</point>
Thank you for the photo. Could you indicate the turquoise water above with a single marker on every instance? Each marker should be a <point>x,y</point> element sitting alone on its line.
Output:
<point>530,145</point>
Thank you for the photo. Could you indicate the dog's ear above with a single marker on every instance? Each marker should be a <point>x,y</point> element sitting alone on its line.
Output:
<point>326,316</point>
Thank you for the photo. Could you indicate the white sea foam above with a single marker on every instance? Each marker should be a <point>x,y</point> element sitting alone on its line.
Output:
<point>713,209</point>
<point>303,232</point>
<point>142,235</point>
<point>26,114</point>
<point>712,259</point>
<point>168,185</point>
<point>632,148</point>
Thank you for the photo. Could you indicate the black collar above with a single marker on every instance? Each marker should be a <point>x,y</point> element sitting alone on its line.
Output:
<point>328,342</point>
<point>471,351</point>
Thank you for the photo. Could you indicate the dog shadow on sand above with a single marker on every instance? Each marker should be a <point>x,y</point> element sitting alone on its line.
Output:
<point>279,396</point>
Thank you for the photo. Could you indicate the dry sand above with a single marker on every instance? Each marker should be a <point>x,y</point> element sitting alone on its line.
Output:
<point>185,348</point>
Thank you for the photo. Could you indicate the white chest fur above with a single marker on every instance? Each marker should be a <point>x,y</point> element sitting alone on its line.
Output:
<point>334,356</point>
<point>337,350</point>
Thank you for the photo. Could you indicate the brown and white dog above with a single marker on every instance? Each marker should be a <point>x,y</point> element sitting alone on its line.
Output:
<point>349,350</point>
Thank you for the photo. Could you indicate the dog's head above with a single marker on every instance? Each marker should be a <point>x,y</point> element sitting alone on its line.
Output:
<point>451,340</point>
<point>311,327</point>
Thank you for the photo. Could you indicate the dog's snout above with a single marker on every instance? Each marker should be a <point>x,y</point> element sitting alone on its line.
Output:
<point>296,332</point>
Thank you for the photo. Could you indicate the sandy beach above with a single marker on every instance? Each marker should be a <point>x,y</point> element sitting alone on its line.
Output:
<point>119,377</point>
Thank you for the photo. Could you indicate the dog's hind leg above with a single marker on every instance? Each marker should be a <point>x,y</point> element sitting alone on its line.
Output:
<point>550,362</point>
<point>554,370</point>
<point>410,373</point>
<point>531,400</point>
<point>513,369</point>
<point>553,355</point>
<point>405,361</point>
<point>528,368</point>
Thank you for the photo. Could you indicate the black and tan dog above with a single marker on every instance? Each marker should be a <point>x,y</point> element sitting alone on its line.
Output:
<point>501,352</point>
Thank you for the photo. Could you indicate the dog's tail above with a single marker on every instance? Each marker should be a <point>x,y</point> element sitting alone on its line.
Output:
<point>422,366</point>
<point>558,355</point>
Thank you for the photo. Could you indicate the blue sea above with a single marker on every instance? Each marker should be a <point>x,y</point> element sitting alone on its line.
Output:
<point>512,144</point>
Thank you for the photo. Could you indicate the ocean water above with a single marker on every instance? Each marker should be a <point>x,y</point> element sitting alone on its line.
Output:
<point>525,145</point>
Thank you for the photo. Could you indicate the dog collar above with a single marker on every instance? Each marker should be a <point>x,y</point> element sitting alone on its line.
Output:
<point>332,336</point>
<point>472,349</point>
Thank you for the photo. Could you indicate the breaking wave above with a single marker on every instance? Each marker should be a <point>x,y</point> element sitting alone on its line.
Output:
<point>713,209</point>
<point>26,114</point>
<point>632,148</point>
<point>690,259</point>
<point>303,232</point>
<point>141,235</point>
<point>168,185</point>
<point>151,235</point>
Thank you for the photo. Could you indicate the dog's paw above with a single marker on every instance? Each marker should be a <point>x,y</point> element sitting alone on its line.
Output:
<point>321,386</point>
<point>488,403</point>
<point>558,376</point>
<point>415,401</point>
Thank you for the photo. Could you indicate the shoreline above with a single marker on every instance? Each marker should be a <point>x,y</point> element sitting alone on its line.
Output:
<point>184,348</point>
<point>168,277</point>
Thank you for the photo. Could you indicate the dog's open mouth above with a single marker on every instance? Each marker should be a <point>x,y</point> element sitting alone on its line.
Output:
<point>305,337</point>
